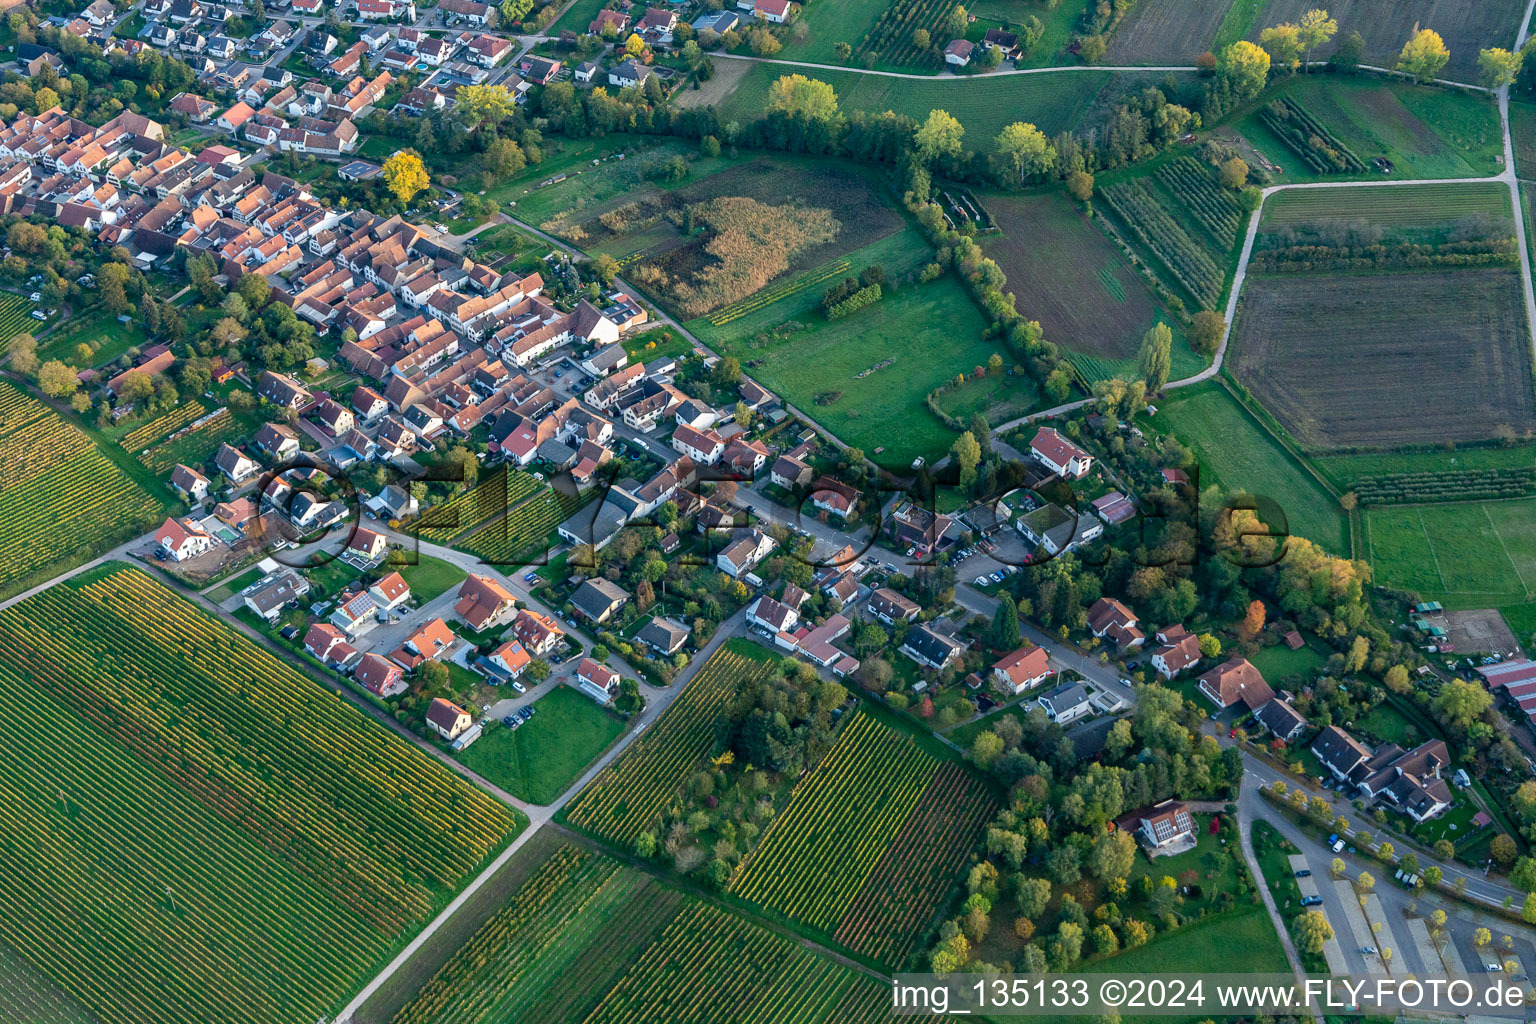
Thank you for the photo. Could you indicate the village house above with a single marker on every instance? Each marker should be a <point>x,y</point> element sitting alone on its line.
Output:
<point>1160,826</point>
<point>1177,649</point>
<point>1026,667</point>
<point>180,540</point>
<point>538,632</point>
<point>890,607</point>
<point>509,660</point>
<point>390,592</point>
<point>380,676</point>
<point>930,648</point>
<point>329,646</point>
<point>1111,620</point>
<point>356,613</point>
<point>269,596</point>
<point>447,719</point>
<point>664,636</point>
<point>428,643</point>
<point>598,599</point>
<point>1235,679</point>
<point>1065,703</point>
<point>484,603</point>
<point>236,466</point>
<point>1059,455</point>
<point>744,554</point>
<point>189,483</point>
<point>772,616</point>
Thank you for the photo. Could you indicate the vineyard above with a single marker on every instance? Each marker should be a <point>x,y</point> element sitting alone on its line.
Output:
<point>1450,485</point>
<point>890,41</point>
<point>637,788</point>
<point>58,494</point>
<point>487,499</point>
<point>1136,207</point>
<point>782,290</point>
<point>1190,183</point>
<point>1305,135</point>
<point>189,819</point>
<point>586,939</point>
<point>507,538</point>
<point>15,317</point>
<point>905,890</point>
<point>158,428</point>
<point>192,444</point>
<point>816,858</point>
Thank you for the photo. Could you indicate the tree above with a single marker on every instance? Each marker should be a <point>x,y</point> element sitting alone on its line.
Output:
<point>1499,66</point>
<point>763,42</point>
<point>44,100</point>
<point>798,96</point>
<point>1284,45</point>
<point>1423,55</point>
<point>405,175</point>
<point>940,135</point>
<point>1004,635</point>
<point>1156,356</point>
<point>1312,932</point>
<point>844,52</point>
<point>1528,908</point>
<point>1112,856</point>
<point>1059,384</point>
<point>920,39</point>
<point>1444,849</point>
<point>1244,67</point>
<point>1253,621</point>
<point>23,353</point>
<point>959,20</point>
<point>1080,185</point>
<point>113,282</point>
<point>967,452</point>
<point>58,380</point>
<point>1234,172</point>
<point>1031,894</point>
<point>986,749</point>
<point>1336,867</point>
<point>1503,850</point>
<point>504,158</point>
<point>1210,646</point>
<point>1461,703</point>
<point>1482,937</point>
<point>1432,875</point>
<point>1350,51</point>
<point>1316,28</point>
<point>1366,882</point>
<point>727,371</point>
<point>1026,150</point>
<point>482,106</point>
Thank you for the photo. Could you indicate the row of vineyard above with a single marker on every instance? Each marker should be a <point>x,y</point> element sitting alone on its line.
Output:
<point>516,538</point>
<point>491,497</point>
<point>587,940</point>
<point>906,889</point>
<point>1449,485</point>
<point>1189,181</point>
<point>195,830</point>
<point>1305,135</point>
<point>59,495</point>
<point>643,785</point>
<point>816,856</point>
<point>1135,207</point>
<point>891,40</point>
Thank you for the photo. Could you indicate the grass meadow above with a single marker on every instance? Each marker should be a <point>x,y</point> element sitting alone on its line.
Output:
<point>1236,452</point>
<point>1466,555</point>
<point>539,761</point>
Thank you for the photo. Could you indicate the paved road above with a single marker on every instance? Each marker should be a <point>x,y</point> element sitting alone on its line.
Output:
<point>946,77</point>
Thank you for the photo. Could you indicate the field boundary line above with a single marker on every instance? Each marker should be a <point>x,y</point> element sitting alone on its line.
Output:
<point>1418,513</point>
<point>1505,548</point>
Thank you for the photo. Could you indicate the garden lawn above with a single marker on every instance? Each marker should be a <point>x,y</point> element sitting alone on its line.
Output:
<point>1386,724</point>
<point>928,332</point>
<point>1467,555</point>
<point>577,17</point>
<point>1237,452</point>
<point>428,577</point>
<point>1278,661</point>
<point>233,586</point>
<point>94,326</point>
<point>658,343</point>
<point>539,760</point>
<point>1242,943</point>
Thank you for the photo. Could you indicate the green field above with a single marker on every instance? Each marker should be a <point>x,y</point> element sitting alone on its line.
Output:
<point>1053,103</point>
<point>428,576</point>
<point>189,818</point>
<point>1425,132</point>
<point>1278,661</point>
<point>577,17</point>
<point>1238,453</point>
<point>96,327</point>
<point>830,22</point>
<point>539,760</point>
<point>1242,942</point>
<point>1469,555</point>
<point>929,332</point>
<point>1408,206</point>
<point>1000,397</point>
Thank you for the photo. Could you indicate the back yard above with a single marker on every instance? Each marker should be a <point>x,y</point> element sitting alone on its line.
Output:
<point>539,760</point>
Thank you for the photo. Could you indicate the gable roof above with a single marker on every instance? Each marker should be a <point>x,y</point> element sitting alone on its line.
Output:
<point>1237,679</point>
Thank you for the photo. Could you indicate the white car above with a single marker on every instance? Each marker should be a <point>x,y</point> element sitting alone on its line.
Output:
<point>518,686</point>
<point>1495,967</point>
<point>982,581</point>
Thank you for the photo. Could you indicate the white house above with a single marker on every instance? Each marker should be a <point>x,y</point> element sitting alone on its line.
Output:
<point>1066,703</point>
<point>702,446</point>
<point>180,541</point>
<point>1059,455</point>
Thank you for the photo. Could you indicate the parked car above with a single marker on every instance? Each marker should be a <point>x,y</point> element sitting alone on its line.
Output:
<point>530,577</point>
<point>1368,950</point>
<point>1494,967</point>
<point>1311,901</point>
<point>1304,873</point>
<point>519,687</point>
<point>982,581</point>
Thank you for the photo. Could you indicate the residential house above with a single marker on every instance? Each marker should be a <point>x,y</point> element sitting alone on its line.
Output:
<point>776,12</point>
<point>484,603</point>
<point>1059,455</point>
<point>269,596</point>
<point>282,390</point>
<point>367,546</point>
<point>664,636</point>
<point>390,592</point>
<point>180,540</point>
<point>329,646</point>
<point>356,613</point>
<point>930,648</point>
<point>1065,703</point>
<point>509,659</point>
<point>598,599</point>
<point>368,405</point>
<point>1113,621</point>
<point>537,631</point>
<point>958,53</point>
<point>1282,721</point>
<point>890,607</point>
<point>834,497</point>
<point>1026,667</point>
<point>742,556</point>
<point>379,675</point>
<point>1177,649</point>
<point>595,673</point>
<point>1161,825</point>
<point>277,441</point>
<point>189,483</point>
<point>430,642</point>
<point>789,473</point>
<point>773,616</point>
<point>1235,679</point>
<point>447,719</point>
<point>702,446</point>
<point>236,466</point>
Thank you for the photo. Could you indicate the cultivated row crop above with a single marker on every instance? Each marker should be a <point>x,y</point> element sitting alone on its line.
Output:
<point>189,820</point>
<point>891,38</point>
<point>159,427</point>
<point>489,498</point>
<point>506,538</point>
<point>843,814</point>
<point>1213,206</point>
<point>1135,207</point>
<point>642,785</point>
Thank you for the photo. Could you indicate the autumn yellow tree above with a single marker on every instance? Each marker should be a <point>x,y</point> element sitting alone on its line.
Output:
<point>1254,620</point>
<point>1424,55</point>
<point>405,175</point>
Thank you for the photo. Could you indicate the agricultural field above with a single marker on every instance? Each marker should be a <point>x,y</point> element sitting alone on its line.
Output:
<point>636,789</point>
<point>998,397</point>
<point>133,722</point>
<point>94,326</point>
<point>1466,555</point>
<point>1397,207</point>
<point>515,538</point>
<point>1345,470</point>
<point>857,850</point>
<point>586,939</point>
<point>889,41</point>
<point>1236,452</point>
<point>865,377</point>
<point>1387,24</point>
<point>1341,360</point>
<point>1522,131</point>
<point>1420,131</point>
<point>984,105</point>
<point>196,442</point>
<point>830,22</point>
<point>539,760</point>
<point>61,498</point>
<point>1167,31</point>
<point>1069,276</point>
<point>765,221</point>
<point>145,435</point>
<point>502,489</point>
<point>15,317</point>
<point>583,185</point>
<point>1145,213</point>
